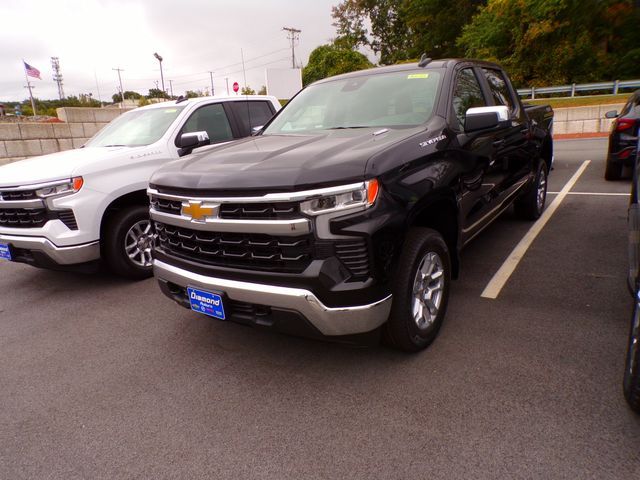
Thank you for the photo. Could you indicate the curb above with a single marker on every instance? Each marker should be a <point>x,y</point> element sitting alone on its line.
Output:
<point>567,136</point>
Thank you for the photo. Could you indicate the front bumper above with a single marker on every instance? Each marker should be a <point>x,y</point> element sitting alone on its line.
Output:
<point>41,252</point>
<point>282,301</point>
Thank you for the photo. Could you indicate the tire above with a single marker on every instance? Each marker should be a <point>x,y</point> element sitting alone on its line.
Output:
<point>412,326</point>
<point>631,381</point>
<point>612,170</point>
<point>531,204</point>
<point>128,232</point>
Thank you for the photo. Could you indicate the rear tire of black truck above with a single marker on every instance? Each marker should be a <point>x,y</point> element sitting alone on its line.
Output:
<point>531,204</point>
<point>631,381</point>
<point>420,291</point>
<point>127,243</point>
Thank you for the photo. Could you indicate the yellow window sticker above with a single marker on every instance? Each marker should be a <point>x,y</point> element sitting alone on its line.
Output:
<point>170,110</point>
<point>418,75</point>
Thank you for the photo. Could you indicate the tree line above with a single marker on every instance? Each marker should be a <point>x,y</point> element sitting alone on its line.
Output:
<point>540,42</point>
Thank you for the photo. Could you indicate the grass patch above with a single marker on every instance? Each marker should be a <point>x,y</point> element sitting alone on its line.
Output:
<point>585,101</point>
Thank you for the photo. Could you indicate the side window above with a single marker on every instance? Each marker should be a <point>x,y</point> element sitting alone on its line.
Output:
<point>251,114</point>
<point>466,94</point>
<point>211,119</point>
<point>499,88</point>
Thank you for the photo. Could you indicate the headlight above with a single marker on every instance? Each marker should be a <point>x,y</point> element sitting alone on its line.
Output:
<point>359,195</point>
<point>64,187</point>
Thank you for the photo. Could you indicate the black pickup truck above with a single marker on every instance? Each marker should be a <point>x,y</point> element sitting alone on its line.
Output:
<point>348,210</point>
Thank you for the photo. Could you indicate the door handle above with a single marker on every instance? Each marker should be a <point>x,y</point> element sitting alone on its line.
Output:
<point>498,143</point>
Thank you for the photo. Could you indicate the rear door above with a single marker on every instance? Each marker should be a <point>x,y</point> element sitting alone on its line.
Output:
<point>249,114</point>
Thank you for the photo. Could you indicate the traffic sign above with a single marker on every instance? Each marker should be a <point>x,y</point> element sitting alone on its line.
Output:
<point>236,87</point>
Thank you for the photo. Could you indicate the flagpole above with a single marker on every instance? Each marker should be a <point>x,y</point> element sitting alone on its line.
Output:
<point>33,104</point>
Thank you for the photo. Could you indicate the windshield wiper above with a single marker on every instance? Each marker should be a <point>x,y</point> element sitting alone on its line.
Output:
<point>349,126</point>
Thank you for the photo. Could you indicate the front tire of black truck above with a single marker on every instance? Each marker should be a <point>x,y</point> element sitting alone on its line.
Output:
<point>531,204</point>
<point>420,291</point>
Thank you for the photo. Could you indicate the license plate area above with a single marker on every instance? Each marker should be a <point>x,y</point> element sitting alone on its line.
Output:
<point>205,302</point>
<point>5,252</point>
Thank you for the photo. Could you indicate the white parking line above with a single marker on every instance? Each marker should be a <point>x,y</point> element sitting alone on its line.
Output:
<point>593,193</point>
<point>495,285</point>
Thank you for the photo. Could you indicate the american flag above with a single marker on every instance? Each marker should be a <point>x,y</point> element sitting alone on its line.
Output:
<point>31,71</point>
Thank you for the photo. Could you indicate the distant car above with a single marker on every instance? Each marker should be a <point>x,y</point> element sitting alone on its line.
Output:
<point>622,143</point>
<point>631,382</point>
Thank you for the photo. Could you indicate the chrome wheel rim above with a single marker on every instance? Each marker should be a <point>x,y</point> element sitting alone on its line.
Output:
<point>138,242</point>
<point>428,287</point>
<point>542,190</point>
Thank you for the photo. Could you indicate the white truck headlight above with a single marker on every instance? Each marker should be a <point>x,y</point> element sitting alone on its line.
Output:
<point>64,187</point>
<point>359,195</point>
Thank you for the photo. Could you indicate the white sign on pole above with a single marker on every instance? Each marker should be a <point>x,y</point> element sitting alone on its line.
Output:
<point>283,83</point>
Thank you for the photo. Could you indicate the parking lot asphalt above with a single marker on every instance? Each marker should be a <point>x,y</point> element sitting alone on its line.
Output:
<point>101,378</point>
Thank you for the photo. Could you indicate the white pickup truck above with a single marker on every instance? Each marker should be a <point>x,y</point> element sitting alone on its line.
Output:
<point>72,209</point>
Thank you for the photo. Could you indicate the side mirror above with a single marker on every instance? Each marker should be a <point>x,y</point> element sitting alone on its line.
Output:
<point>256,130</point>
<point>483,118</point>
<point>188,141</point>
<point>611,114</point>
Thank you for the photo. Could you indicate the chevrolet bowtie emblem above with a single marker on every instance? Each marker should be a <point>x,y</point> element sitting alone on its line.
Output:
<point>196,211</point>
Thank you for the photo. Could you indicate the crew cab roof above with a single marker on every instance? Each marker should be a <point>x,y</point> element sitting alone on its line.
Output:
<point>434,64</point>
<point>221,98</point>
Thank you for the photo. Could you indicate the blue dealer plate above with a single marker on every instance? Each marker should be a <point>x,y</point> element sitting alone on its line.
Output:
<point>4,251</point>
<point>206,302</point>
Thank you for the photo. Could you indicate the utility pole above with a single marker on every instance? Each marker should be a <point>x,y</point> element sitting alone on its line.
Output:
<point>57,76</point>
<point>226,79</point>
<point>121,89</point>
<point>171,87</point>
<point>293,34</point>
<point>211,76</point>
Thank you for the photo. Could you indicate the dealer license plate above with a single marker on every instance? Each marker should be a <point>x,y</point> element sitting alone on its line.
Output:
<point>206,302</point>
<point>5,253</point>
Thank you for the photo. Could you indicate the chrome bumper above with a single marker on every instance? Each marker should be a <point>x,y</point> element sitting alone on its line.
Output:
<point>60,255</point>
<point>329,321</point>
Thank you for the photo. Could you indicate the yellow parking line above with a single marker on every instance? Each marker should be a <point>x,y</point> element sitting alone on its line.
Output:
<point>495,285</point>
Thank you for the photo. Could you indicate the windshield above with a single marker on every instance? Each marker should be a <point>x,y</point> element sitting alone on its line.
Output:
<point>398,99</point>
<point>139,127</point>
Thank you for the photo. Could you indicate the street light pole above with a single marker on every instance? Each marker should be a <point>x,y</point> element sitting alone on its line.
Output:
<point>161,75</point>
<point>211,75</point>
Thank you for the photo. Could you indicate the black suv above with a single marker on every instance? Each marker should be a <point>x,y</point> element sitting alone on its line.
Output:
<point>622,138</point>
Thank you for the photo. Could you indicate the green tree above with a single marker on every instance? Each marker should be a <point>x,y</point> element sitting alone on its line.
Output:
<point>329,60</point>
<point>247,90</point>
<point>542,42</point>
<point>155,93</point>
<point>193,93</point>
<point>263,90</point>
<point>128,94</point>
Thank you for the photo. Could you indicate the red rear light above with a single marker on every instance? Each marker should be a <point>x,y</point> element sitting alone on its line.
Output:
<point>623,155</point>
<point>623,124</point>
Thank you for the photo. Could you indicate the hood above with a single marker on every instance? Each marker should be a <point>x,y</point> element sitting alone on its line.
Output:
<point>281,162</point>
<point>61,165</point>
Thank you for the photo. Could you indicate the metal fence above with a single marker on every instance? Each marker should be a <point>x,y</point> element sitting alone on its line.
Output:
<point>613,87</point>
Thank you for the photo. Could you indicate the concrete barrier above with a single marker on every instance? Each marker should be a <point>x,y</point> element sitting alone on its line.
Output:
<point>23,140</point>
<point>583,119</point>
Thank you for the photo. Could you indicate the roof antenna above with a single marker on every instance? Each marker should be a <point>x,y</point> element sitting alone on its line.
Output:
<point>424,60</point>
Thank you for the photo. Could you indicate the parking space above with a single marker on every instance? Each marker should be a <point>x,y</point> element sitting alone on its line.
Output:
<point>102,378</point>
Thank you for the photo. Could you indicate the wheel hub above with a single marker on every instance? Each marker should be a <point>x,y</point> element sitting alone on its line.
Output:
<point>138,242</point>
<point>428,286</point>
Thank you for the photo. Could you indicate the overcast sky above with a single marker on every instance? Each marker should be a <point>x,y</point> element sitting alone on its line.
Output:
<point>91,37</point>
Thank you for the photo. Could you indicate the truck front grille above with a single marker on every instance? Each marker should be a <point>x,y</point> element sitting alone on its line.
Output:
<point>13,195</point>
<point>236,250</point>
<point>23,218</point>
<point>260,211</point>
<point>166,206</point>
